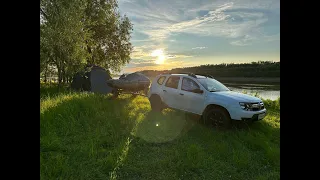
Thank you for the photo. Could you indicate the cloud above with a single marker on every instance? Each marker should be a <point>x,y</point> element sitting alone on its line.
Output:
<point>275,37</point>
<point>138,52</point>
<point>158,24</point>
<point>139,40</point>
<point>146,52</point>
<point>164,29</point>
<point>177,56</point>
<point>232,20</point>
<point>248,40</point>
<point>141,63</point>
<point>199,47</point>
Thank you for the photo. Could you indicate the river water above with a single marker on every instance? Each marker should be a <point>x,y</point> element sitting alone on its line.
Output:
<point>264,91</point>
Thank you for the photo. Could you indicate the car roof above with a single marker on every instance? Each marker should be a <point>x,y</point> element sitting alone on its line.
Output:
<point>186,75</point>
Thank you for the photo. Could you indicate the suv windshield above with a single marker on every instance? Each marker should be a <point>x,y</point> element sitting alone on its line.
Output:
<point>212,85</point>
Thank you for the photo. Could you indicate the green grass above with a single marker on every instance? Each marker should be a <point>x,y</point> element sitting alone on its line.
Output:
<point>89,136</point>
<point>270,104</point>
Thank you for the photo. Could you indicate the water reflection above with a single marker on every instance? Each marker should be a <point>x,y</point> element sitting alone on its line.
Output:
<point>264,91</point>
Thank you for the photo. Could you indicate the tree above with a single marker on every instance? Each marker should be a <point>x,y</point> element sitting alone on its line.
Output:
<point>74,33</point>
<point>62,36</point>
<point>254,69</point>
<point>109,45</point>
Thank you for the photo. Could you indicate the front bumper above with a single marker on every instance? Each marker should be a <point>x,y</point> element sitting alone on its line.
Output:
<point>255,117</point>
<point>237,114</point>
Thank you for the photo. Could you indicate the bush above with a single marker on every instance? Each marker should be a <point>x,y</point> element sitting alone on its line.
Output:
<point>270,104</point>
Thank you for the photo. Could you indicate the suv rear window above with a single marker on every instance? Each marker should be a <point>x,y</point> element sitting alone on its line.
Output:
<point>173,82</point>
<point>161,80</point>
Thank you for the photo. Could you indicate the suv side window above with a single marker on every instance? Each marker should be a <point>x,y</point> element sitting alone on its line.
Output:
<point>189,85</point>
<point>173,82</point>
<point>161,80</point>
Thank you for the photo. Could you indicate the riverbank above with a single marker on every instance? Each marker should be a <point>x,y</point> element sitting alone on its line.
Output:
<point>91,136</point>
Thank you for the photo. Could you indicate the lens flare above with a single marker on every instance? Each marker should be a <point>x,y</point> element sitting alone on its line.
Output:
<point>160,56</point>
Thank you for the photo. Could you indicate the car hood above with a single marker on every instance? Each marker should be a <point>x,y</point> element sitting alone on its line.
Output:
<point>240,97</point>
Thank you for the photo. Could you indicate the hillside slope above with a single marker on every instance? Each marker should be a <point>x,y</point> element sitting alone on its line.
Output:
<point>87,136</point>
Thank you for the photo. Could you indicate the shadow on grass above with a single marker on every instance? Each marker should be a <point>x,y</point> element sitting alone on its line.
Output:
<point>171,124</point>
<point>96,137</point>
<point>174,145</point>
<point>161,127</point>
<point>83,136</point>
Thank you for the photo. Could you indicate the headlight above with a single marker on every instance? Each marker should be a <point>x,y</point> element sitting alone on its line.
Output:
<point>245,106</point>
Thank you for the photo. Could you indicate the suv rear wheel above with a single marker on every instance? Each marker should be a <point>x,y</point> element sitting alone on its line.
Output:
<point>217,117</point>
<point>156,103</point>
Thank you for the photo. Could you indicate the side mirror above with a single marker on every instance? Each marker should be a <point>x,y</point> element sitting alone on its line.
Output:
<point>199,91</point>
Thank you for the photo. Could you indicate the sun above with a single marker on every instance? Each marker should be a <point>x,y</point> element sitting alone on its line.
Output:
<point>160,56</point>
<point>160,59</point>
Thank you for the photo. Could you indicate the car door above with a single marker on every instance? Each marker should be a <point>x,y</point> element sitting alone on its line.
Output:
<point>189,100</point>
<point>171,92</point>
<point>157,86</point>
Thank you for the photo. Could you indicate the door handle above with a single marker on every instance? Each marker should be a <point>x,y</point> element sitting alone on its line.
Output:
<point>164,90</point>
<point>181,94</point>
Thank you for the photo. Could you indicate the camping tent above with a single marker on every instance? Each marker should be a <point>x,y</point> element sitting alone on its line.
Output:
<point>93,80</point>
<point>98,79</point>
<point>80,82</point>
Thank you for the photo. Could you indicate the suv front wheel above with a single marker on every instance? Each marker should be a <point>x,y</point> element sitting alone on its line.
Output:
<point>217,117</point>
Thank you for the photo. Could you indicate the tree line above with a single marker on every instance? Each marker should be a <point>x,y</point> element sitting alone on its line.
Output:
<point>253,69</point>
<point>75,34</point>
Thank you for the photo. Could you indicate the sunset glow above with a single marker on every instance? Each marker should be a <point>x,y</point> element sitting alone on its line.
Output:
<point>160,56</point>
<point>170,35</point>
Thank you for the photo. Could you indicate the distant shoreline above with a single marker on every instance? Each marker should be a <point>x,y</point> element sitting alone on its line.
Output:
<point>250,80</point>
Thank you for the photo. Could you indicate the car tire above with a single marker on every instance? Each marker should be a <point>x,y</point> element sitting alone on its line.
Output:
<point>156,103</point>
<point>217,117</point>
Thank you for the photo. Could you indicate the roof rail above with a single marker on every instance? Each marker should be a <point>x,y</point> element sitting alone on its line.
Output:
<point>208,75</point>
<point>192,75</point>
<point>166,72</point>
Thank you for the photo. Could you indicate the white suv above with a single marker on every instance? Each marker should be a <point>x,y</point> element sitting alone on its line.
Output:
<point>204,96</point>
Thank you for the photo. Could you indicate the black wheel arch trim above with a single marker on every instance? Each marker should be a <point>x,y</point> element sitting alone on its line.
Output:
<point>215,105</point>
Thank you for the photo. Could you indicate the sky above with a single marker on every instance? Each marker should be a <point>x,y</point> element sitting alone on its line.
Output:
<point>181,33</point>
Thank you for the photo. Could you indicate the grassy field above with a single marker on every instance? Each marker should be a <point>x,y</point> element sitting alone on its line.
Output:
<point>89,136</point>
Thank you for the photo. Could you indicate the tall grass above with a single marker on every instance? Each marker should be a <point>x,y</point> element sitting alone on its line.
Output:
<point>273,105</point>
<point>91,136</point>
<point>51,90</point>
